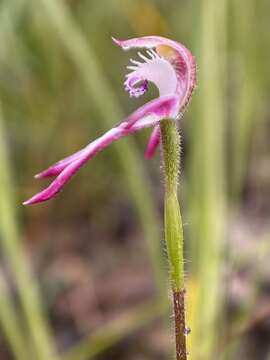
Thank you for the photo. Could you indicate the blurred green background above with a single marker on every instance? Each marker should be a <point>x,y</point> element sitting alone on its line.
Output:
<point>84,276</point>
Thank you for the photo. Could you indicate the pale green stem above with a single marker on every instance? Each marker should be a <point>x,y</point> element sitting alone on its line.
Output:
<point>173,222</point>
<point>174,230</point>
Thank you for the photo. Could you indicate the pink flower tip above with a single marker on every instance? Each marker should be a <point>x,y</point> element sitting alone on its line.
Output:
<point>116,41</point>
<point>26,202</point>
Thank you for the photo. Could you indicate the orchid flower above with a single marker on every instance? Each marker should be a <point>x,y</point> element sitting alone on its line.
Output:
<point>167,64</point>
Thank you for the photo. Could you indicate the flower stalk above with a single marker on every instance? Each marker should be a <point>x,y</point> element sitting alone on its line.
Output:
<point>174,230</point>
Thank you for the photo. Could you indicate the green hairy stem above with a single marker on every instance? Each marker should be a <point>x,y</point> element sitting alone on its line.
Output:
<point>174,230</point>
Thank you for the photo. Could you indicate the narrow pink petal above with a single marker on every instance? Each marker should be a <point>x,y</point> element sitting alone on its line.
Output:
<point>89,152</point>
<point>153,143</point>
<point>59,166</point>
<point>154,41</point>
<point>163,106</point>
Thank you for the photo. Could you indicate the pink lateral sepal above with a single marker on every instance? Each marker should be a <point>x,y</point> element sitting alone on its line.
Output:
<point>160,106</point>
<point>147,116</point>
<point>153,143</point>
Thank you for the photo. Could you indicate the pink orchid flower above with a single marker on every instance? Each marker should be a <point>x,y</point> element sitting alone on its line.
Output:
<point>167,64</point>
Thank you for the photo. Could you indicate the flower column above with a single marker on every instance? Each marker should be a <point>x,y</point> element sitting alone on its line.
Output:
<point>174,230</point>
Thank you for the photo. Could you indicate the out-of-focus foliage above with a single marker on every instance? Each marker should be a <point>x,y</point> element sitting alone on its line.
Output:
<point>91,291</point>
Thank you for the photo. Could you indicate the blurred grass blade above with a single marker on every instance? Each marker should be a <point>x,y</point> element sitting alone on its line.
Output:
<point>104,97</point>
<point>110,334</point>
<point>144,17</point>
<point>207,191</point>
<point>14,254</point>
<point>247,91</point>
<point>10,14</point>
<point>12,327</point>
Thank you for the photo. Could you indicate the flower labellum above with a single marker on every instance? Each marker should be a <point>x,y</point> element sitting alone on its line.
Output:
<point>164,62</point>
